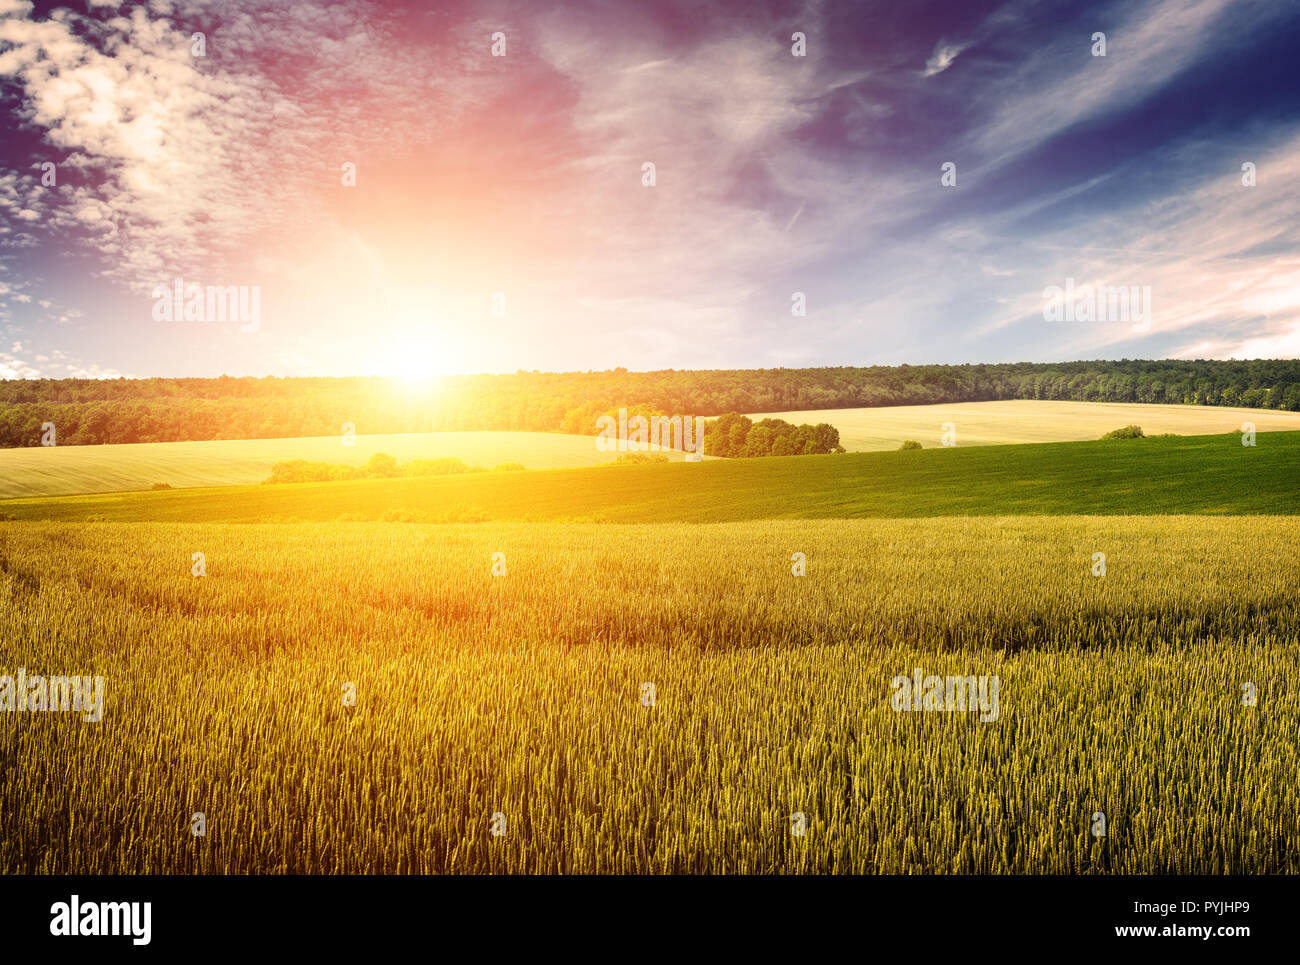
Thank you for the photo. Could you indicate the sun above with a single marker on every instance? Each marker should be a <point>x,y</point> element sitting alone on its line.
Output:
<point>415,372</point>
<point>417,360</point>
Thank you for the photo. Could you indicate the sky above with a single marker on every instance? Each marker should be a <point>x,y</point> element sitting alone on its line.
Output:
<point>439,188</point>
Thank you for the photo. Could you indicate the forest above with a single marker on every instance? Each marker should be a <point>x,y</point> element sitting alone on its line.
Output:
<point>91,412</point>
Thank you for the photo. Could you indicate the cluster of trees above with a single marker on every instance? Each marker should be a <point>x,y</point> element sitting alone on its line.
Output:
<point>380,466</point>
<point>89,411</point>
<point>738,435</point>
<point>1128,432</point>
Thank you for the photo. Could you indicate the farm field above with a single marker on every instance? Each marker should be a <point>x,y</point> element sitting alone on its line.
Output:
<point>1214,475</point>
<point>74,470</point>
<point>62,470</point>
<point>1015,421</point>
<point>522,696</point>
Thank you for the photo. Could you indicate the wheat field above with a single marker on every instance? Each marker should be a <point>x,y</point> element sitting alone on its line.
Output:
<point>67,470</point>
<point>372,698</point>
<point>1029,420</point>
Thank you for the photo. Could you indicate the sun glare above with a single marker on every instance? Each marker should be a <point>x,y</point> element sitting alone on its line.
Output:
<point>415,373</point>
<point>417,360</point>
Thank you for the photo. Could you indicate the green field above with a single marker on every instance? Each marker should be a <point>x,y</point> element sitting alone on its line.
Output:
<point>60,470</point>
<point>523,695</point>
<point>1015,421</point>
<point>1199,475</point>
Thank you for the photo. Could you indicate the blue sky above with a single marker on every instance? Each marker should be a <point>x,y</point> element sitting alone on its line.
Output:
<point>521,176</point>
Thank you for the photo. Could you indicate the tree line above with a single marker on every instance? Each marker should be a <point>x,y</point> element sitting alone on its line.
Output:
<point>91,411</point>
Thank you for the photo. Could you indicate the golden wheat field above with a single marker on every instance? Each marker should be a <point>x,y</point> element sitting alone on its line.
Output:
<point>1029,420</point>
<point>372,698</point>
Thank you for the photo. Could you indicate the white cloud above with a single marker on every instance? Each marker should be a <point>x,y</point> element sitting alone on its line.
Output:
<point>1044,95</point>
<point>942,58</point>
<point>192,161</point>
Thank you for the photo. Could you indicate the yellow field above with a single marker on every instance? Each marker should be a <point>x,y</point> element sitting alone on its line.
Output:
<point>65,470</point>
<point>372,698</point>
<point>996,423</point>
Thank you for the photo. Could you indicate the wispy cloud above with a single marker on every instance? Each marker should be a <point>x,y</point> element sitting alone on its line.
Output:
<point>943,57</point>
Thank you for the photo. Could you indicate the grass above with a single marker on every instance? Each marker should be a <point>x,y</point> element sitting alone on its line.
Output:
<point>521,695</point>
<point>1212,475</point>
<point>63,470</point>
<point>1021,421</point>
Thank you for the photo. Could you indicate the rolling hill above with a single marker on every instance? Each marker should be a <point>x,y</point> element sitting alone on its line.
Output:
<point>69,470</point>
<point>1213,475</point>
